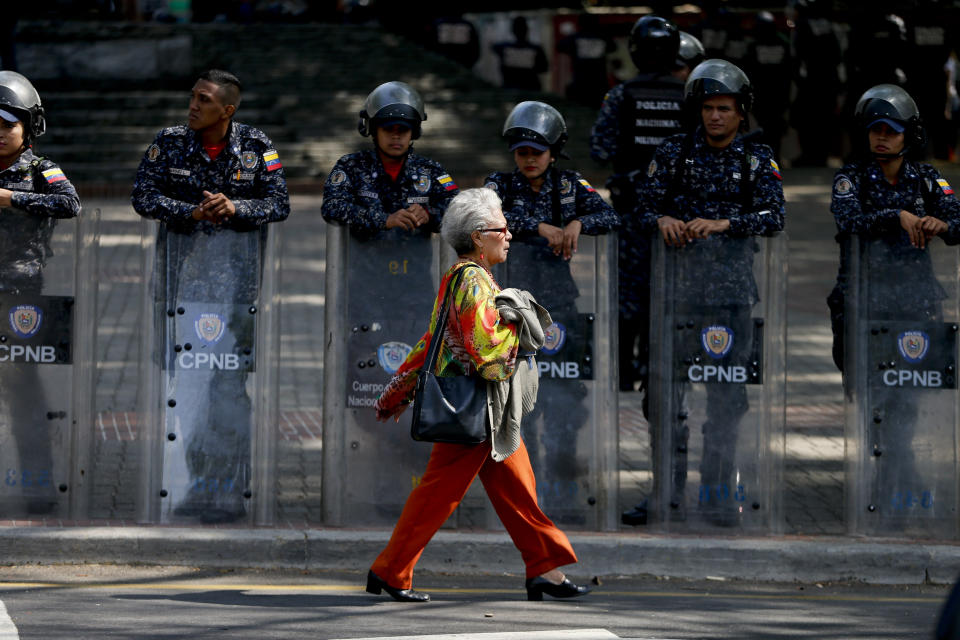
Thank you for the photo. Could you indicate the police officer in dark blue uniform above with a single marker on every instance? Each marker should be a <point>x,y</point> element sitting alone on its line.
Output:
<point>701,184</point>
<point>885,192</point>
<point>886,196</point>
<point>388,186</point>
<point>540,199</point>
<point>204,181</point>
<point>547,209</point>
<point>636,116</point>
<point>689,55</point>
<point>34,194</point>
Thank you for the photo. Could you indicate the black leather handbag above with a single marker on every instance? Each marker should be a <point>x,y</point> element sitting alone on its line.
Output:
<point>448,409</point>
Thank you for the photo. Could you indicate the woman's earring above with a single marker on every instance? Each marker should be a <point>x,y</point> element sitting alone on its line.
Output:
<point>482,257</point>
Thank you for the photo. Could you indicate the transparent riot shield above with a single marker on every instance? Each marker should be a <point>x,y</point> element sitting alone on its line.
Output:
<point>900,382</point>
<point>46,348</point>
<point>717,384</point>
<point>379,295</point>
<point>208,400</point>
<point>571,435</point>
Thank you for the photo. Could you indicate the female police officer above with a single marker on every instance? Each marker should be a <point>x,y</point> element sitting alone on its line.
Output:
<point>388,186</point>
<point>34,193</point>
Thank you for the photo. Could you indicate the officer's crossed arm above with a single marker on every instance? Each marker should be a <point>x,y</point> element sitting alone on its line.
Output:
<point>6,198</point>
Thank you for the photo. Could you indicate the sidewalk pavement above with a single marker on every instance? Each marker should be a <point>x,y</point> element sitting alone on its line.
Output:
<point>781,559</point>
<point>813,548</point>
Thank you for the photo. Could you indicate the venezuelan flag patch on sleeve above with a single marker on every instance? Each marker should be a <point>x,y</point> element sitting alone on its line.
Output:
<point>271,160</point>
<point>945,187</point>
<point>447,182</point>
<point>586,185</point>
<point>54,175</point>
<point>775,168</point>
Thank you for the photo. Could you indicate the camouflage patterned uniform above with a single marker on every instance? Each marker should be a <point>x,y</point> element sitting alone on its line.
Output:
<point>711,185</point>
<point>41,195</point>
<point>564,196</point>
<point>361,194</point>
<point>635,118</point>
<point>203,262</point>
<point>903,287</point>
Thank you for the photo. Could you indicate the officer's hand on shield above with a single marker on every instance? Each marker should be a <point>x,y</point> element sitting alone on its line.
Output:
<point>554,236</point>
<point>571,233</point>
<point>674,231</point>
<point>6,198</point>
<point>912,225</point>
<point>217,206</point>
<point>932,226</point>
<point>409,218</point>
<point>701,227</point>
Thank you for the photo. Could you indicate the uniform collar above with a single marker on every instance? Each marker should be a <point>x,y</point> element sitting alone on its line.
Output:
<point>700,142</point>
<point>233,141</point>
<point>908,171</point>
<point>521,181</point>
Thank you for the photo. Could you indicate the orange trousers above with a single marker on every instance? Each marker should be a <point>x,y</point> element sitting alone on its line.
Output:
<point>512,489</point>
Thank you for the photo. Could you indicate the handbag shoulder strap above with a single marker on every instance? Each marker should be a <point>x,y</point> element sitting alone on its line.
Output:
<point>434,349</point>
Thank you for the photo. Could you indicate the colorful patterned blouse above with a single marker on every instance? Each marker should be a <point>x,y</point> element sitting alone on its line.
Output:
<point>474,340</point>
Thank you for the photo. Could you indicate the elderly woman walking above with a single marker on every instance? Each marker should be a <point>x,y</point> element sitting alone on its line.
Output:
<point>488,333</point>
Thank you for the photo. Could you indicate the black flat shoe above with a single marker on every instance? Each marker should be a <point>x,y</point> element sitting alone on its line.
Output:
<point>375,584</point>
<point>538,586</point>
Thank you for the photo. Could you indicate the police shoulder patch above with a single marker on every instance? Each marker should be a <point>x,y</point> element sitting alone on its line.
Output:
<point>338,177</point>
<point>153,152</point>
<point>652,168</point>
<point>842,187</point>
<point>490,185</point>
<point>248,159</point>
<point>565,186</point>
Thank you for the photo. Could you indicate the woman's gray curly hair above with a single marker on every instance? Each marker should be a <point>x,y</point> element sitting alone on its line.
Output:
<point>470,210</point>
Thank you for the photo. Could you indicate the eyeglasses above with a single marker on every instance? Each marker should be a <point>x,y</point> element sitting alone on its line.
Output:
<point>502,230</point>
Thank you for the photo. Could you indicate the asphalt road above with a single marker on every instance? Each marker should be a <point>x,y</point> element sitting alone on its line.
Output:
<point>96,602</point>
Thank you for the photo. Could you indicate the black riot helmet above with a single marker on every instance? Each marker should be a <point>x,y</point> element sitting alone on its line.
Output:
<point>535,124</point>
<point>654,42</point>
<point>19,98</point>
<point>392,102</point>
<point>691,51</point>
<point>715,77</point>
<point>892,105</point>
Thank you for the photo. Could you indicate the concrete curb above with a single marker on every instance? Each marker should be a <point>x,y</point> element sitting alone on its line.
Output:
<point>805,560</point>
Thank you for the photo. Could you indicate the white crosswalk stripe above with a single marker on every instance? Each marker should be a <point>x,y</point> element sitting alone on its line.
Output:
<point>8,630</point>
<point>572,634</point>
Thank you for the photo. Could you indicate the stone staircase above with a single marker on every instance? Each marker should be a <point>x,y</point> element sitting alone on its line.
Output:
<point>304,85</point>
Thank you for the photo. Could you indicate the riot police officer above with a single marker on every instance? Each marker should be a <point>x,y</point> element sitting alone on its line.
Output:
<point>388,186</point>
<point>689,55</point>
<point>547,209</point>
<point>705,187</point>
<point>897,206</point>
<point>213,185</point>
<point>540,199</point>
<point>886,192</point>
<point>635,117</point>
<point>34,194</point>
